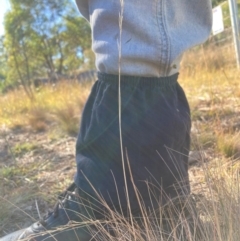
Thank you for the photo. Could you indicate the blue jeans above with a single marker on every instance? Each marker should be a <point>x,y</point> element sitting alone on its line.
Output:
<point>155,126</point>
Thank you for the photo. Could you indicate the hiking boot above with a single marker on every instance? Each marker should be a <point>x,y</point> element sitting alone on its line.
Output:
<point>62,224</point>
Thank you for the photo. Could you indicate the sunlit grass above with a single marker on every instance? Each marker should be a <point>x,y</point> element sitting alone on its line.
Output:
<point>61,103</point>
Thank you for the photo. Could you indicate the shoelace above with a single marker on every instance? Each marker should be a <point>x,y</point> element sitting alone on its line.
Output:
<point>62,202</point>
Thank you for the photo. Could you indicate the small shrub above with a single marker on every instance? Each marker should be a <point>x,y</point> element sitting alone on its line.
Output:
<point>22,148</point>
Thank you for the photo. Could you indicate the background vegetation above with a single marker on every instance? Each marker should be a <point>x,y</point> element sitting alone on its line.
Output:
<point>43,39</point>
<point>47,40</point>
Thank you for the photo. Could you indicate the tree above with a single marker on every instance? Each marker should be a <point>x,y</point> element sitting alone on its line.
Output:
<point>17,45</point>
<point>3,60</point>
<point>44,38</point>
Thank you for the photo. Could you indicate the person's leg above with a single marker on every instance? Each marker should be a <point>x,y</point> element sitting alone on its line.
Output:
<point>155,128</point>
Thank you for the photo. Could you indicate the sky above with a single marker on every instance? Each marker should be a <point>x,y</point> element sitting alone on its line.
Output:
<point>4,6</point>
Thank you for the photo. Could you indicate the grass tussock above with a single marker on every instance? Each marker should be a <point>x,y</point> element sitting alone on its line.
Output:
<point>38,119</point>
<point>217,205</point>
<point>229,145</point>
<point>68,120</point>
<point>203,140</point>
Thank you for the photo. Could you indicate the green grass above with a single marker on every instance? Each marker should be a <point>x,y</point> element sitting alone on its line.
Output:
<point>8,172</point>
<point>22,148</point>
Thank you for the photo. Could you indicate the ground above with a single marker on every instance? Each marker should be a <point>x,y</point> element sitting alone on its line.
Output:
<point>39,168</point>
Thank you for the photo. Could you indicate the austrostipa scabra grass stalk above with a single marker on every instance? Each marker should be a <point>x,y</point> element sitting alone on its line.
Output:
<point>120,104</point>
<point>120,101</point>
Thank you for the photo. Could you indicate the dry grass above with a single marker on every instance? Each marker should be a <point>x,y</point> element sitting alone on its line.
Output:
<point>229,145</point>
<point>61,103</point>
<point>68,119</point>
